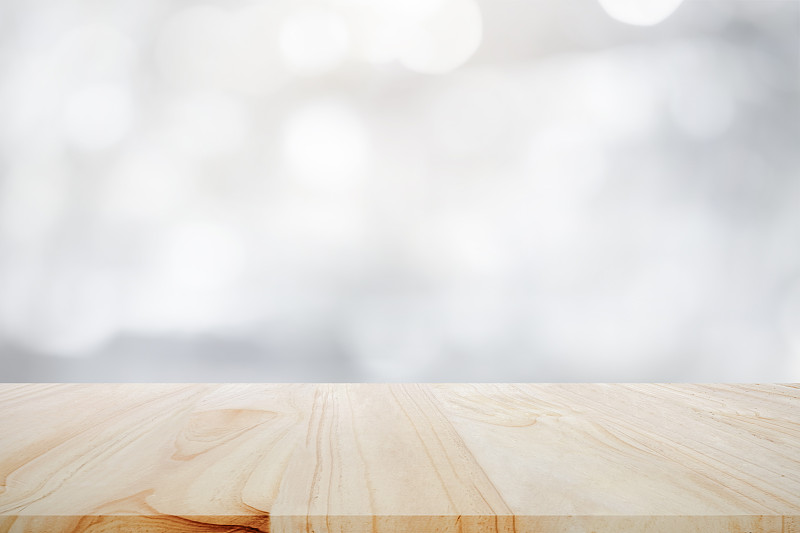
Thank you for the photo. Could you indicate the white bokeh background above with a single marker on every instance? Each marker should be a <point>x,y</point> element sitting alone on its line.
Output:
<point>382,190</point>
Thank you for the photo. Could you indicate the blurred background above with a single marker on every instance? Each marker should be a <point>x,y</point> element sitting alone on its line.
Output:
<point>400,190</point>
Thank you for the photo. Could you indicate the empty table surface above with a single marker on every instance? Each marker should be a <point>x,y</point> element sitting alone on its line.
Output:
<point>400,457</point>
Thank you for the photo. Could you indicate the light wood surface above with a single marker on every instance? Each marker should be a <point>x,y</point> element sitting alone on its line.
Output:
<point>417,458</point>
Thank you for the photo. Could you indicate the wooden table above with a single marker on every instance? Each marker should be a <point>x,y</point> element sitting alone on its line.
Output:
<point>400,458</point>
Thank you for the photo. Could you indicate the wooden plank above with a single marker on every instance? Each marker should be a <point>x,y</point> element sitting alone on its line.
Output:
<point>400,458</point>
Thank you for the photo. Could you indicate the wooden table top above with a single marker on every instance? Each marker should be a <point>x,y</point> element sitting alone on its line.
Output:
<point>400,458</point>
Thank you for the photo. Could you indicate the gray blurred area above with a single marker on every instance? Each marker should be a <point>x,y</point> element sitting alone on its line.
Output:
<point>388,190</point>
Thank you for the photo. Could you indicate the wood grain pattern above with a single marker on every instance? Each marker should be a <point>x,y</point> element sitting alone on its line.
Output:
<point>302,458</point>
